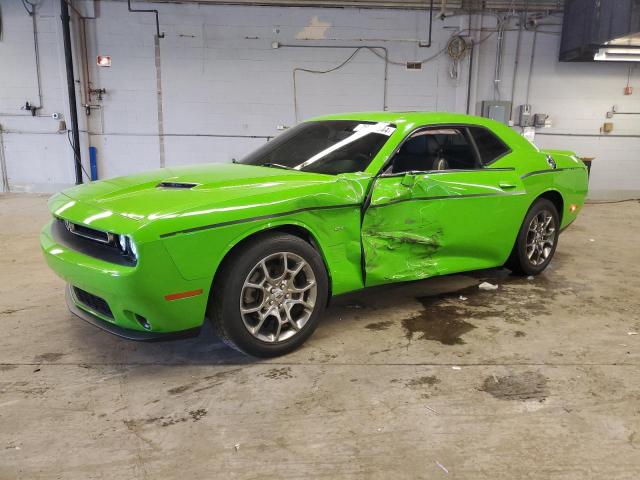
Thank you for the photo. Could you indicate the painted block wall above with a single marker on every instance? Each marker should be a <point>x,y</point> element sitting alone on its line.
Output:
<point>226,90</point>
<point>577,97</point>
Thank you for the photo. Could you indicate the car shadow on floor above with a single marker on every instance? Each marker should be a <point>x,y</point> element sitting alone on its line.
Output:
<point>206,349</point>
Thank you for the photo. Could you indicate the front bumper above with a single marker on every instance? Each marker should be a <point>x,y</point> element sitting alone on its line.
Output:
<point>145,336</point>
<point>135,295</point>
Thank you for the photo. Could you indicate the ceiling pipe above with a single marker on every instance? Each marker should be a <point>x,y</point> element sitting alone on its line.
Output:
<point>84,57</point>
<point>471,48</point>
<point>516,62</point>
<point>428,44</point>
<point>133,10</point>
<point>71,88</point>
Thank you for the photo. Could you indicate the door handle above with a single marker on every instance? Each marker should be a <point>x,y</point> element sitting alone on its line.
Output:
<point>506,185</point>
<point>409,180</point>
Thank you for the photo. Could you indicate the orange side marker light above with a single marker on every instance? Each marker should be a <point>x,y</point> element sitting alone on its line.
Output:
<point>178,296</point>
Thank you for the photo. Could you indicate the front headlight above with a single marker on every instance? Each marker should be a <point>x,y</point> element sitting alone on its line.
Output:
<point>122,242</point>
<point>132,247</point>
<point>127,246</point>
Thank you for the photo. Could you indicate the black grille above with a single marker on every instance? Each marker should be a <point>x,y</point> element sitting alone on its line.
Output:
<point>90,233</point>
<point>93,302</point>
<point>108,252</point>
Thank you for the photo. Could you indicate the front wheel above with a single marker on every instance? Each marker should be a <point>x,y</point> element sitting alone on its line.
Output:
<point>537,239</point>
<point>269,296</point>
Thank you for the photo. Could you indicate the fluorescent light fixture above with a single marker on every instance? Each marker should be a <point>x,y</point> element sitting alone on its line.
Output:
<point>617,55</point>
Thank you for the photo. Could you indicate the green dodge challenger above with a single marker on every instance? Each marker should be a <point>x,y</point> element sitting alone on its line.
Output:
<point>332,205</point>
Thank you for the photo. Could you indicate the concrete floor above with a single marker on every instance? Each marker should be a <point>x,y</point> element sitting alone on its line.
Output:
<point>539,379</point>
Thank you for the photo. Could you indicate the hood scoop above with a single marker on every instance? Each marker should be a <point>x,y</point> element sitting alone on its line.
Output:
<point>180,185</point>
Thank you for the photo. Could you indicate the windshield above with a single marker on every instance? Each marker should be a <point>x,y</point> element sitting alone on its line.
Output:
<point>330,146</point>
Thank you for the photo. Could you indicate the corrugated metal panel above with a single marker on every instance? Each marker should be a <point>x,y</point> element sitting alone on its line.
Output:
<point>531,5</point>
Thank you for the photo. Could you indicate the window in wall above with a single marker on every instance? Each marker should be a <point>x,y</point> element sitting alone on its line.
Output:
<point>446,148</point>
<point>489,146</point>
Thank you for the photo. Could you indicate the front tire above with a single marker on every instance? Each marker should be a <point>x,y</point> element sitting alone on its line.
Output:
<point>269,295</point>
<point>537,239</point>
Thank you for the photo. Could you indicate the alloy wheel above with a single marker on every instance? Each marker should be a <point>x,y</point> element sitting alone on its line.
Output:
<point>541,237</point>
<point>278,297</point>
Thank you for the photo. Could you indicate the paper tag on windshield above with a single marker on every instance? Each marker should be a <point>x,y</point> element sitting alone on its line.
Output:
<point>382,128</point>
<point>385,130</point>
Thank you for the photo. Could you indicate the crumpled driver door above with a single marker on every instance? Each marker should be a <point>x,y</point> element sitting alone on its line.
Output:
<point>419,225</point>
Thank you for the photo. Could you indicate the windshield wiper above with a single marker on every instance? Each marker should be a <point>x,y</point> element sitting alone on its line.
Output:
<point>277,165</point>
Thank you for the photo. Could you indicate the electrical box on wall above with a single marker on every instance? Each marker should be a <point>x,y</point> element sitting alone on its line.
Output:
<point>525,118</point>
<point>541,120</point>
<point>496,110</point>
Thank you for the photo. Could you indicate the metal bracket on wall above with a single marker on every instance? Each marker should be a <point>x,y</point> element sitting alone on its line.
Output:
<point>160,35</point>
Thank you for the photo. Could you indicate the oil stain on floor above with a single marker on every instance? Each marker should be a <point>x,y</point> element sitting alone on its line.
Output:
<point>524,386</point>
<point>379,326</point>
<point>433,323</point>
<point>428,380</point>
<point>445,317</point>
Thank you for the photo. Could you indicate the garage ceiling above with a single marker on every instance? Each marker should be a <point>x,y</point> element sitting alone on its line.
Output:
<point>411,4</point>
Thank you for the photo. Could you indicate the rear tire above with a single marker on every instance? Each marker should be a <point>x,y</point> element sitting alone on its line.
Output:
<point>537,239</point>
<point>269,295</point>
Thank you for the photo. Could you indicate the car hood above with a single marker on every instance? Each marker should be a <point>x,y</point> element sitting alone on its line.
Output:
<point>186,197</point>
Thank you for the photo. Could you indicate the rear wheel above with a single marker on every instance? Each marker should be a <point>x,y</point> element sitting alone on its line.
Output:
<point>269,295</point>
<point>537,240</point>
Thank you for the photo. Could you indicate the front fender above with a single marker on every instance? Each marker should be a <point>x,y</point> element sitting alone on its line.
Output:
<point>336,231</point>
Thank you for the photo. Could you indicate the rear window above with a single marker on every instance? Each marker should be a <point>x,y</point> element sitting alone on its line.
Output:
<point>489,146</point>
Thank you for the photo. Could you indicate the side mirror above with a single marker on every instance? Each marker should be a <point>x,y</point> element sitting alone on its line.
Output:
<point>409,179</point>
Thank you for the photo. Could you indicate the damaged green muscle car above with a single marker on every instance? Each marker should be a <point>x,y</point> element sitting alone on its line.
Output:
<point>332,205</point>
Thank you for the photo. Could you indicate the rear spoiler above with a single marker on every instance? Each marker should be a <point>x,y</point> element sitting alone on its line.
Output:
<point>560,152</point>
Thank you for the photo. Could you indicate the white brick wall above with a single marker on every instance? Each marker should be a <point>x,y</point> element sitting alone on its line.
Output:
<point>220,76</point>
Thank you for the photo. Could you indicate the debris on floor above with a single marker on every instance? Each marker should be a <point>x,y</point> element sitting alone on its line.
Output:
<point>463,298</point>
<point>530,277</point>
<point>632,333</point>
<point>487,286</point>
<point>430,409</point>
<point>444,469</point>
<point>237,446</point>
<point>455,367</point>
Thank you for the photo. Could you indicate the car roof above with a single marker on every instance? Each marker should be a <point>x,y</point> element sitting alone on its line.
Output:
<point>414,117</point>
<point>417,119</point>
